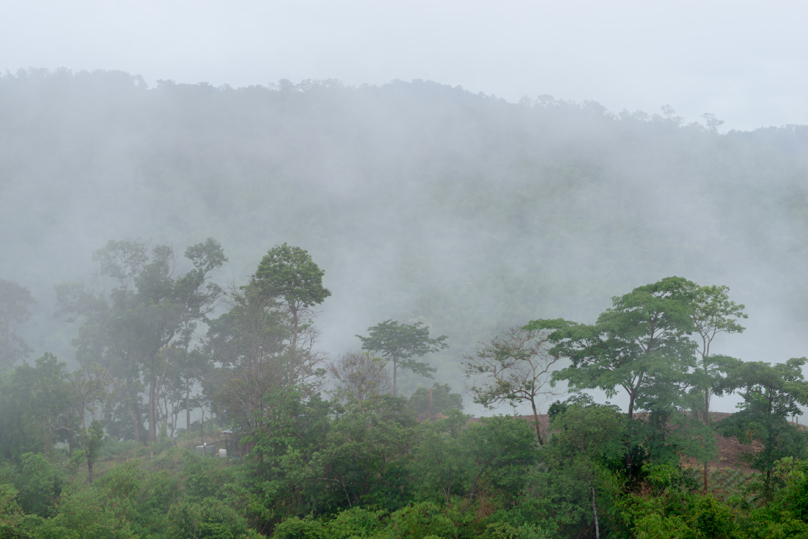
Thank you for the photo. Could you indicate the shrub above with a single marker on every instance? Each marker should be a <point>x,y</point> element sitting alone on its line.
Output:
<point>355,522</point>
<point>299,528</point>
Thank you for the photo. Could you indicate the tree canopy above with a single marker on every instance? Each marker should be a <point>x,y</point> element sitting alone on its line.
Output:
<point>640,345</point>
<point>15,304</point>
<point>401,344</point>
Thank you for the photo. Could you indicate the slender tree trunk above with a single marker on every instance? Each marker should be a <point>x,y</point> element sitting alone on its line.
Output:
<point>187,405</point>
<point>134,420</point>
<point>628,443</point>
<point>295,322</point>
<point>134,412</point>
<point>707,407</point>
<point>158,391</point>
<point>152,413</point>
<point>705,477</point>
<point>631,406</point>
<point>152,403</point>
<point>595,512</point>
<point>537,423</point>
<point>45,439</point>
<point>706,423</point>
<point>395,370</point>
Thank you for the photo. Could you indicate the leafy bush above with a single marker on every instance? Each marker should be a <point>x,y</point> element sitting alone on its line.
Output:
<point>208,519</point>
<point>443,400</point>
<point>420,521</point>
<point>299,528</point>
<point>83,514</point>
<point>355,522</point>
<point>39,485</point>
<point>713,518</point>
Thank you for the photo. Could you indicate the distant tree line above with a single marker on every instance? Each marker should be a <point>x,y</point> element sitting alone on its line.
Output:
<point>428,202</point>
<point>331,449</point>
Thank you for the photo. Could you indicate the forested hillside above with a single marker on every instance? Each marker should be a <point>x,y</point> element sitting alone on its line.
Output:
<point>218,308</point>
<point>420,201</point>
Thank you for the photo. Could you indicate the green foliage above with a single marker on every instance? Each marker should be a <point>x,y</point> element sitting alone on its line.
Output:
<point>772,394</point>
<point>640,345</point>
<point>11,514</point>
<point>516,368</point>
<point>592,432</point>
<point>401,344</point>
<point>502,173</point>
<point>713,519</point>
<point>94,441</point>
<point>492,456</point>
<point>288,272</point>
<point>40,485</point>
<point>34,403</point>
<point>356,522</point>
<point>122,486</point>
<point>443,401</point>
<point>253,343</point>
<point>276,478</point>
<point>297,528</point>
<point>83,514</point>
<point>209,518</point>
<point>15,304</point>
<point>365,455</point>
<point>793,496</point>
<point>205,477</point>
<point>713,313</point>
<point>420,521</point>
<point>576,464</point>
<point>359,376</point>
<point>148,310</point>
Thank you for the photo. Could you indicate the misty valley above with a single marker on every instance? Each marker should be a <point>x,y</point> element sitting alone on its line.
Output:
<point>403,311</point>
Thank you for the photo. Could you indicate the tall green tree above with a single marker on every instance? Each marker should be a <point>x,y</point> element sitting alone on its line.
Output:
<point>587,439</point>
<point>252,341</point>
<point>287,272</point>
<point>366,452</point>
<point>713,313</point>
<point>771,395</point>
<point>456,460</point>
<point>148,308</point>
<point>107,337</point>
<point>93,440</point>
<point>88,387</point>
<point>34,406</point>
<point>15,304</point>
<point>640,345</point>
<point>401,344</point>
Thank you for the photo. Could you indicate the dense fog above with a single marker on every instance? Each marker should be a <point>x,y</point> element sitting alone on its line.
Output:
<point>421,202</point>
<point>220,309</point>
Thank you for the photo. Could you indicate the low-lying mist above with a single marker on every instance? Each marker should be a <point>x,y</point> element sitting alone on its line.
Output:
<point>420,201</point>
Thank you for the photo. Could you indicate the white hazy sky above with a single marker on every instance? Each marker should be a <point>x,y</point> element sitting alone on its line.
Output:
<point>746,62</point>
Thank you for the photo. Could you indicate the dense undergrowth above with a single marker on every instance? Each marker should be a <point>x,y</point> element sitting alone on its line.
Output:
<point>370,470</point>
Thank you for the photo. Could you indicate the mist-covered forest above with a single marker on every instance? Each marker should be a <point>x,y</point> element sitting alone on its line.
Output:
<point>418,200</point>
<point>148,235</point>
